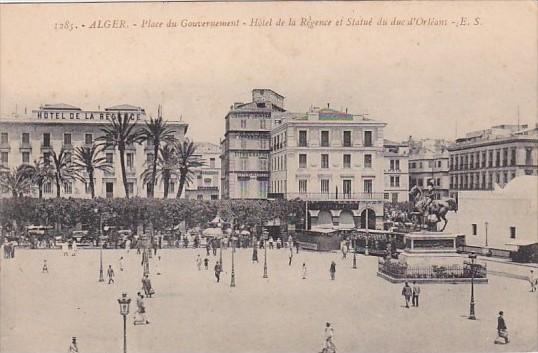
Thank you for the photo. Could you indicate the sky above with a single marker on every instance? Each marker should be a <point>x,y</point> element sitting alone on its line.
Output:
<point>424,81</point>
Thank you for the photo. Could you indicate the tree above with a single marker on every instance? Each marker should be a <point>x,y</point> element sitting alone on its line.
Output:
<point>187,161</point>
<point>166,167</point>
<point>86,161</point>
<point>16,181</point>
<point>156,131</point>
<point>39,173</point>
<point>120,132</point>
<point>61,162</point>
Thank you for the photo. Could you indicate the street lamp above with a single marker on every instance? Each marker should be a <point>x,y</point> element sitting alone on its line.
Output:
<point>232,283</point>
<point>472,316</point>
<point>354,251</point>
<point>101,278</point>
<point>124,311</point>
<point>486,224</point>
<point>265,237</point>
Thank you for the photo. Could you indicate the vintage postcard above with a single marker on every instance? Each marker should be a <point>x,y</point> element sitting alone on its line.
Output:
<point>269,177</point>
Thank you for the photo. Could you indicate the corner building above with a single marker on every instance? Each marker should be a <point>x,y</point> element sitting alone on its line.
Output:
<point>25,139</point>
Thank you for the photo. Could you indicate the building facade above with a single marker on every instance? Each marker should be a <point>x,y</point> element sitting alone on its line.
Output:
<point>494,156</point>
<point>328,156</point>
<point>206,185</point>
<point>245,148</point>
<point>429,161</point>
<point>502,218</point>
<point>396,171</point>
<point>28,138</point>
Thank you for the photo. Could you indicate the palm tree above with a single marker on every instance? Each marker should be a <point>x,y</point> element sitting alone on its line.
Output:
<point>61,164</point>
<point>187,161</point>
<point>40,173</point>
<point>86,161</point>
<point>156,130</point>
<point>16,180</point>
<point>120,132</point>
<point>167,167</point>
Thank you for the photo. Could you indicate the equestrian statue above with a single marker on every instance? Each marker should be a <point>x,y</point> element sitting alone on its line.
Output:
<point>428,210</point>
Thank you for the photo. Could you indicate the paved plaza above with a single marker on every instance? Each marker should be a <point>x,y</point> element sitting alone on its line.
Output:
<point>190,312</point>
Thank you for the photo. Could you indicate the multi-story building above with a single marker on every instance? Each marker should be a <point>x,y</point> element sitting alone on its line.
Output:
<point>327,155</point>
<point>245,148</point>
<point>206,185</point>
<point>428,161</point>
<point>27,138</point>
<point>493,156</point>
<point>396,171</point>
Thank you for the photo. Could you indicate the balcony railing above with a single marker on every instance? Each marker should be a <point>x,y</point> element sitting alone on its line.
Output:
<point>357,196</point>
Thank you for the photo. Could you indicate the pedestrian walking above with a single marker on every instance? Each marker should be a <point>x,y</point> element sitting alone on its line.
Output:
<point>332,270</point>
<point>296,247</point>
<point>344,250</point>
<point>146,286</point>
<point>206,263</point>
<point>207,246</point>
<point>73,348</point>
<point>416,293</point>
<point>65,249</point>
<point>74,248</point>
<point>291,256</point>
<point>138,247</point>
<point>214,246</point>
<point>407,292</point>
<point>502,330</point>
<point>128,245</point>
<point>271,240</point>
<point>254,254</point>
<point>199,262</point>
<point>304,270</point>
<point>140,311</point>
<point>45,268</point>
<point>533,281</point>
<point>328,344</point>
<point>121,263</point>
<point>279,243</point>
<point>110,274</point>
<point>217,271</point>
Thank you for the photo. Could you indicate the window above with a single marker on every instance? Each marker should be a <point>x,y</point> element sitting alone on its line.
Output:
<point>367,161</point>
<point>211,162</point>
<point>262,123</point>
<point>367,138</point>
<point>302,160</point>
<point>244,163</point>
<point>263,144</point>
<point>386,196</point>
<point>324,161</point>
<point>528,155</point>
<point>439,164</point>
<point>438,181</point>
<point>368,186</point>
<point>498,159</point>
<point>68,157</point>
<point>397,164</point>
<point>263,164</point>
<point>25,157</point>
<point>420,182</point>
<point>46,158</point>
<point>474,229</point>
<point>490,159</point>
<point>199,197</point>
<point>505,177</point>
<point>149,158</point>
<point>67,139</point>
<point>325,139</point>
<point>324,186</point>
<point>484,159</point>
<point>4,158</point>
<point>87,188</point>
<point>346,188</point>
<point>420,164</point>
<point>25,138</point>
<point>302,139</point>
<point>262,184</point>
<point>46,139</point>
<point>513,156</point>
<point>243,124</point>
<point>4,138</point>
<point>207,181</point>
<point>347,139</point>
<point>397,181</point>
<point>303,186</point>
<point>394,197</point>
<point>347,161</point>
<point>171,187</point>
<point>110,158</point>
<point>88,139</point>
<point>243,143</point>
<point>512,232</point>
<point>243,187</point>
<point>391,181</point>
<point>214,197</point>
<point>47,187</point>
<point>130,161</point>
<point>68,187</point>
<point>430,164</point>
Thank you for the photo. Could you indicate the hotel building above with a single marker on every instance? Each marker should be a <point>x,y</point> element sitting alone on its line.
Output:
<point>326,155</point>
<point>206,185</point>
<point>25,139</point>
<point>245,148</point>
<point>493,156</point>
<point>396,171</point>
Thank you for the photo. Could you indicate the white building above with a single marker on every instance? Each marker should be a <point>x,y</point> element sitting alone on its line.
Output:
<point>502,218</point>
<point>396,171</point>
<point>207,178</point>
<point>26,138</point>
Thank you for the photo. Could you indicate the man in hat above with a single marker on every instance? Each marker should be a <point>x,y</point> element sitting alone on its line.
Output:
<point>73,348</point>
<point>501,328</point>
<point>328,345</point>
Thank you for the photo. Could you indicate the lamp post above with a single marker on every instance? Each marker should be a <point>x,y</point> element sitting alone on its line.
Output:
<point>486,224</point>
<point>367,232</point>
<point>265,237</point>
<point>354,251</point>
<point>232,283</point>
<point>472,316</point>
<point>124,311</point>
<point>101,278</point>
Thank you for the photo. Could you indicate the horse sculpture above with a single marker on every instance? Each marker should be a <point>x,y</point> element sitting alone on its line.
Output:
<point>431,211</point>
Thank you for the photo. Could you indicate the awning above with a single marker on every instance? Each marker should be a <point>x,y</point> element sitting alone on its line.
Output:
<point>212,232</point>
<point>336,213</point>
<point>356,213</point>
<point>313,213</point>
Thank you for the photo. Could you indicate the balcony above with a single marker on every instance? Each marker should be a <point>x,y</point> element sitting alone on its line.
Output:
<point>357,196</point>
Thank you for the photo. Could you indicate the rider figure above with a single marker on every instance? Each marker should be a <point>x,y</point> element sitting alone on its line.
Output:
<point>429,195</point>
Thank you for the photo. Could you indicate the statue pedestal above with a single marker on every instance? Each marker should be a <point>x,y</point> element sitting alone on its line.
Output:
<point>430,248</point>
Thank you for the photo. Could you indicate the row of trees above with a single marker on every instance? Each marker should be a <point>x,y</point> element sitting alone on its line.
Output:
<point>163,214</point>
<point>171,158</point>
